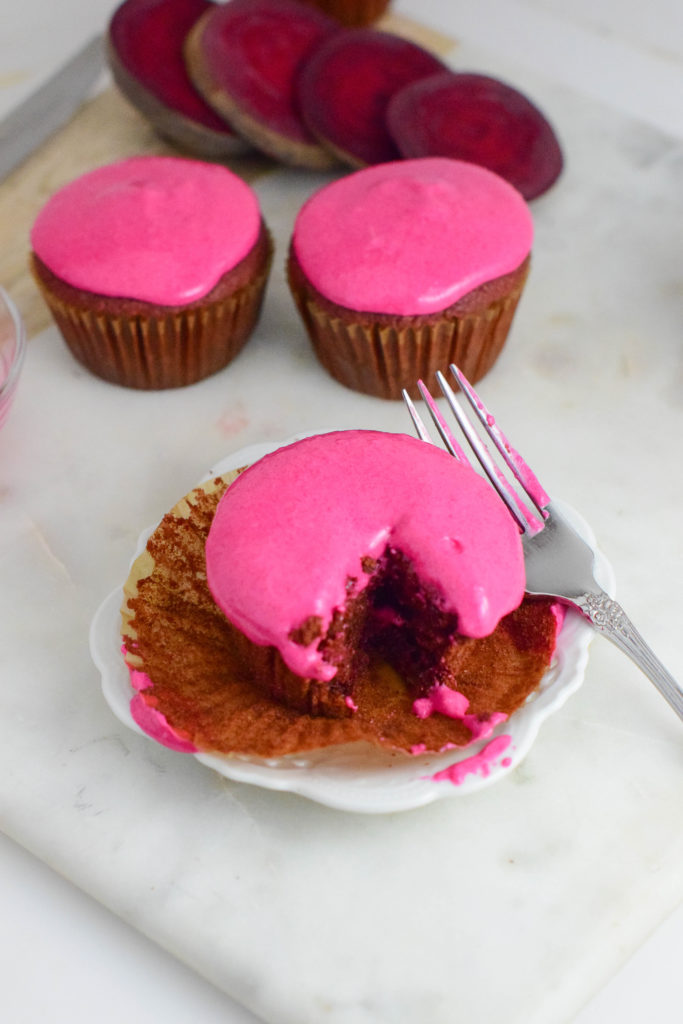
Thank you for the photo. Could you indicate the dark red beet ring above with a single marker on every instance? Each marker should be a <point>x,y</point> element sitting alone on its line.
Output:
<point>147,37</point>
<point>345,86</point>
<point>479,119</point>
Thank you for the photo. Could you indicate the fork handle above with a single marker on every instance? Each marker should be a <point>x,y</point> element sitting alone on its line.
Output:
<point>609,618</point>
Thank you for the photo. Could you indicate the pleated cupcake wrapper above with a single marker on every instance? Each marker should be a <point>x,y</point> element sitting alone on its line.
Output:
<point>167,603</point>
<point>156,352</point>
<point>309,696</point>
<point>382,360</point>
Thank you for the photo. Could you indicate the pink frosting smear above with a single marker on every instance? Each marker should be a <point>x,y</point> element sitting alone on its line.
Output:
<point>291,530</point>
<point>160,229</point>
<point>411,237</point>
<point>443,700</point>
<point>477,764</point>
<point>153,722</point>
<point>522,470</point>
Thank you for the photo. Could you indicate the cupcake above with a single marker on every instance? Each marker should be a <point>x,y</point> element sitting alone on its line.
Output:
<point>351,12</point>
<point>263,620</point>
<point>400,269</point>
<point>154,268</point>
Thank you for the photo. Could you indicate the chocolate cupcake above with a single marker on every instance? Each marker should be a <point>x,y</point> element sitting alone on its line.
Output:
<point>400,269</point>
<point>261,620</point>
<point>154,268</point>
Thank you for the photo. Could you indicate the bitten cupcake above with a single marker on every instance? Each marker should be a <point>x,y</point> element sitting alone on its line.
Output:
<point>400,269</point>
<point>355,585</point>
<point>154,268</point>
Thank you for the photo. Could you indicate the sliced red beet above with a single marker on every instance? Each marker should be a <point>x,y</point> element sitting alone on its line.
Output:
<point>346,84</point>
<point>244,56</point>
<point>479,119</point>
<point>145,49</point>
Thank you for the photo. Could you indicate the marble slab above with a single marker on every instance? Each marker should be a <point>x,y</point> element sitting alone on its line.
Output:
<point>520,901</point>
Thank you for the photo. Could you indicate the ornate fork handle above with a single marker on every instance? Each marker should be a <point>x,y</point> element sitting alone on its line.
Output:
<point>609,618</point>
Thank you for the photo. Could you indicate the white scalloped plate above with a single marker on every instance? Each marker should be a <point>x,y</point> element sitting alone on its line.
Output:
<point>358,777</point>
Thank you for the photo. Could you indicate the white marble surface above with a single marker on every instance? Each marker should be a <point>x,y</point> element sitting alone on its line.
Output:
<point>546,883</point>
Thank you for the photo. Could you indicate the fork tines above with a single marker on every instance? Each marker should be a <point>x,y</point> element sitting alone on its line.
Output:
<point>527,520</point>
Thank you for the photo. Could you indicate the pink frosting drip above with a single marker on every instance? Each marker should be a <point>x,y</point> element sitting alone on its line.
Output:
<point>442,700</point>
<point>160,229</point>
<point>411,237</point>
<point>477,764</point>
<point>445,701</point>
<point>294,527</point>
<point>153,722</point>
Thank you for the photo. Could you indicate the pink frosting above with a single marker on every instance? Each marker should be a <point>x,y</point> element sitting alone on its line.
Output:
<point>443,700</point>
<point>153,722</point>
<point>293,528</point>
<point>160,229</point>
<point>477,764</point>
<point>411,237</point>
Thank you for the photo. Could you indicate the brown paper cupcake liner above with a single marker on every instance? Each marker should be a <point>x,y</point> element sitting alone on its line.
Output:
<point>160,350</point>
<point>170,570</point>
<point>381,360</point>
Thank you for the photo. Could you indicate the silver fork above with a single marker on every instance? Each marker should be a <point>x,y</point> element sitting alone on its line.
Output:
<point>558,561</point>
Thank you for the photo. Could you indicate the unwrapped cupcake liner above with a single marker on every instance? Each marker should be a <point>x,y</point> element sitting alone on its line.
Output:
<point>165,350</point>
<point>176,591</point>
<point>382,360</point>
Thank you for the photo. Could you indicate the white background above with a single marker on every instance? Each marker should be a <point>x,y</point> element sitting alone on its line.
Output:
<point>63,956</point>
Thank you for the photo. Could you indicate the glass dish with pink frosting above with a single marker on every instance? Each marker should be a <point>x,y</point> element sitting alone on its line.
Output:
<point>345,771</point>
<point>12,351</point>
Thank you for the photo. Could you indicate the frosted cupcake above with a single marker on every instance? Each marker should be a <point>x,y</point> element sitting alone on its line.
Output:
<point>154,268</point>
<point>263,620</point>
<point>400,269</point>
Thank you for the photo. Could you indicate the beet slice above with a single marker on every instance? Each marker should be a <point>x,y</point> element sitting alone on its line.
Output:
<point>243,56</point>
<point>346,84</point>
<point>480,119</point>
<point>145,52</point>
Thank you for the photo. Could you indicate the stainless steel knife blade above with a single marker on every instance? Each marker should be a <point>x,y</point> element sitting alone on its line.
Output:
<point>49,107</point>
